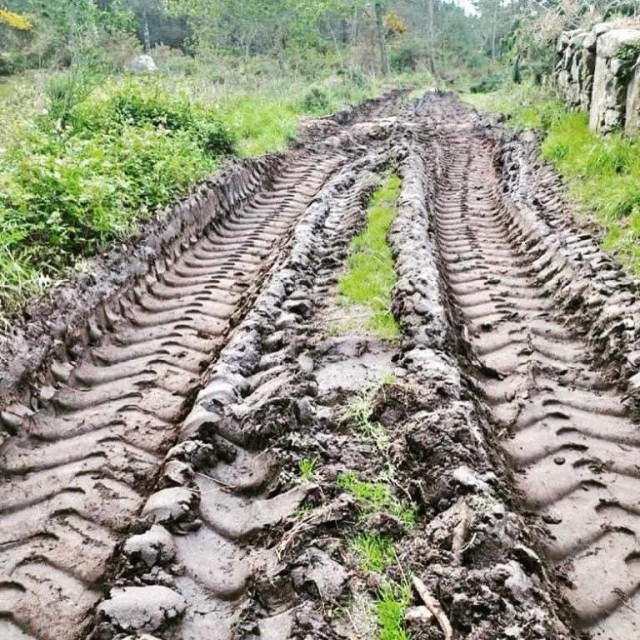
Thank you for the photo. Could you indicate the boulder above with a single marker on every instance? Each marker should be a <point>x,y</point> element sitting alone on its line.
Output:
<point>142,64</point>
<point>574,69</point>
<point>611,78</point>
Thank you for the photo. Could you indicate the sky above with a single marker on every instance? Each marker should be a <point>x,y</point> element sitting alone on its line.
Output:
<point>467,5</point>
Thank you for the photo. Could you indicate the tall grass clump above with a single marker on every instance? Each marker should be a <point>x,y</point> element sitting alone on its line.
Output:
<point>391,606</point>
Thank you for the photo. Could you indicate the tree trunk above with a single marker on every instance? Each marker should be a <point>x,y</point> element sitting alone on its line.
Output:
<point>517,75</point>
<point>354,28</point>
<point>431,38</point>
<point>494,31</point>
<point>382,41</point>
<point>146,33</point>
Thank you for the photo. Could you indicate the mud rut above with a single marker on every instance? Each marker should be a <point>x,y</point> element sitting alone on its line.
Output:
<point>129,504</point>
<point>574,448</point>
<point>71,487</point>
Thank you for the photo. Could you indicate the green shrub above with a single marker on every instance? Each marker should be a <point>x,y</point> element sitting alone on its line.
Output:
<point>317,101</point>
<point>68,191</point>
<point>354,77</point>
<point>139,106</point>
<point>405,59</point>
<point>7,64</point>
<point>66,90</point>
<point>487,84</point>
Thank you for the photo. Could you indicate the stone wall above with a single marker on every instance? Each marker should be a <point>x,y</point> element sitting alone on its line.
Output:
<point>597,71</point>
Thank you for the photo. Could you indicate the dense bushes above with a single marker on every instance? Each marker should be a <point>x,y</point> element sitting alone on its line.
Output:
<point>139,107</point>
<point>86,172</point>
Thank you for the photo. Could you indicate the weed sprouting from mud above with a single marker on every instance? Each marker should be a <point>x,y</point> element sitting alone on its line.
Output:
<point>307,469</point>
<point>374,552</point>
<point>390,609</point>
<point>373,497</point>
<point>371,275</point>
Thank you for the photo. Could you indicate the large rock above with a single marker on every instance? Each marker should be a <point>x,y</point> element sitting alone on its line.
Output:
<point>142,64</point>
<point>609,96</point>
<point>574,69</point>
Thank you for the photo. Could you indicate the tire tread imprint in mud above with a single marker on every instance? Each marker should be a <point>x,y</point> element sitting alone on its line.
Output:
<point>73,481</point>
<point>237,499</point>
<point>571,440</point>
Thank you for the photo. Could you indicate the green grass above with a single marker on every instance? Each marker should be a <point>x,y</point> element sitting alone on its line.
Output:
<point>377,553</point>
<point>373,497</point>
<point>374,551</point>
<point>391,605</point>
<point>602,174</point>
<point>307,468</point>
<point>371,276</point>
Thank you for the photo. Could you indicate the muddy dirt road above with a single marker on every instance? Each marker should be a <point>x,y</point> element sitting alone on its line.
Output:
<point>151,479</point>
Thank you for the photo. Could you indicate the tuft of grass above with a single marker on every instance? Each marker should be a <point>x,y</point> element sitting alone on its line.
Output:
<point>374,551</point>
<point>371,275</point>
<point>393,601</point>
<point>307,469</point>
<point>373,497</point>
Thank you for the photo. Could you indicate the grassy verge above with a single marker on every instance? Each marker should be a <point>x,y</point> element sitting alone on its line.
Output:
<point>602,174</point>
<point>371,276</point>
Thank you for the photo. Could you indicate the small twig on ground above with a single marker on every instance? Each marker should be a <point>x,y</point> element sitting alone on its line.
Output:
<point>434,607</point>
<point>460,532</point>
<point>302,525</point>
<point>623,599</point>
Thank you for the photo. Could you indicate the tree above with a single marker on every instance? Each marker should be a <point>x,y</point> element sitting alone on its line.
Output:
<point>496,19</point>
<point>277,27</point>
<point>144,9</point>
<point>382,39</point>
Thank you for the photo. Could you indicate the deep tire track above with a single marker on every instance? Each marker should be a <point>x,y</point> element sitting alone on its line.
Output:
<point>571,441</point>
<point>73,483</point>
<point>220,549</point>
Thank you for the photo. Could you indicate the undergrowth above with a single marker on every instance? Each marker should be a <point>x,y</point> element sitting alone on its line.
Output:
<point>602,173</point>
<point>371,276</point>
